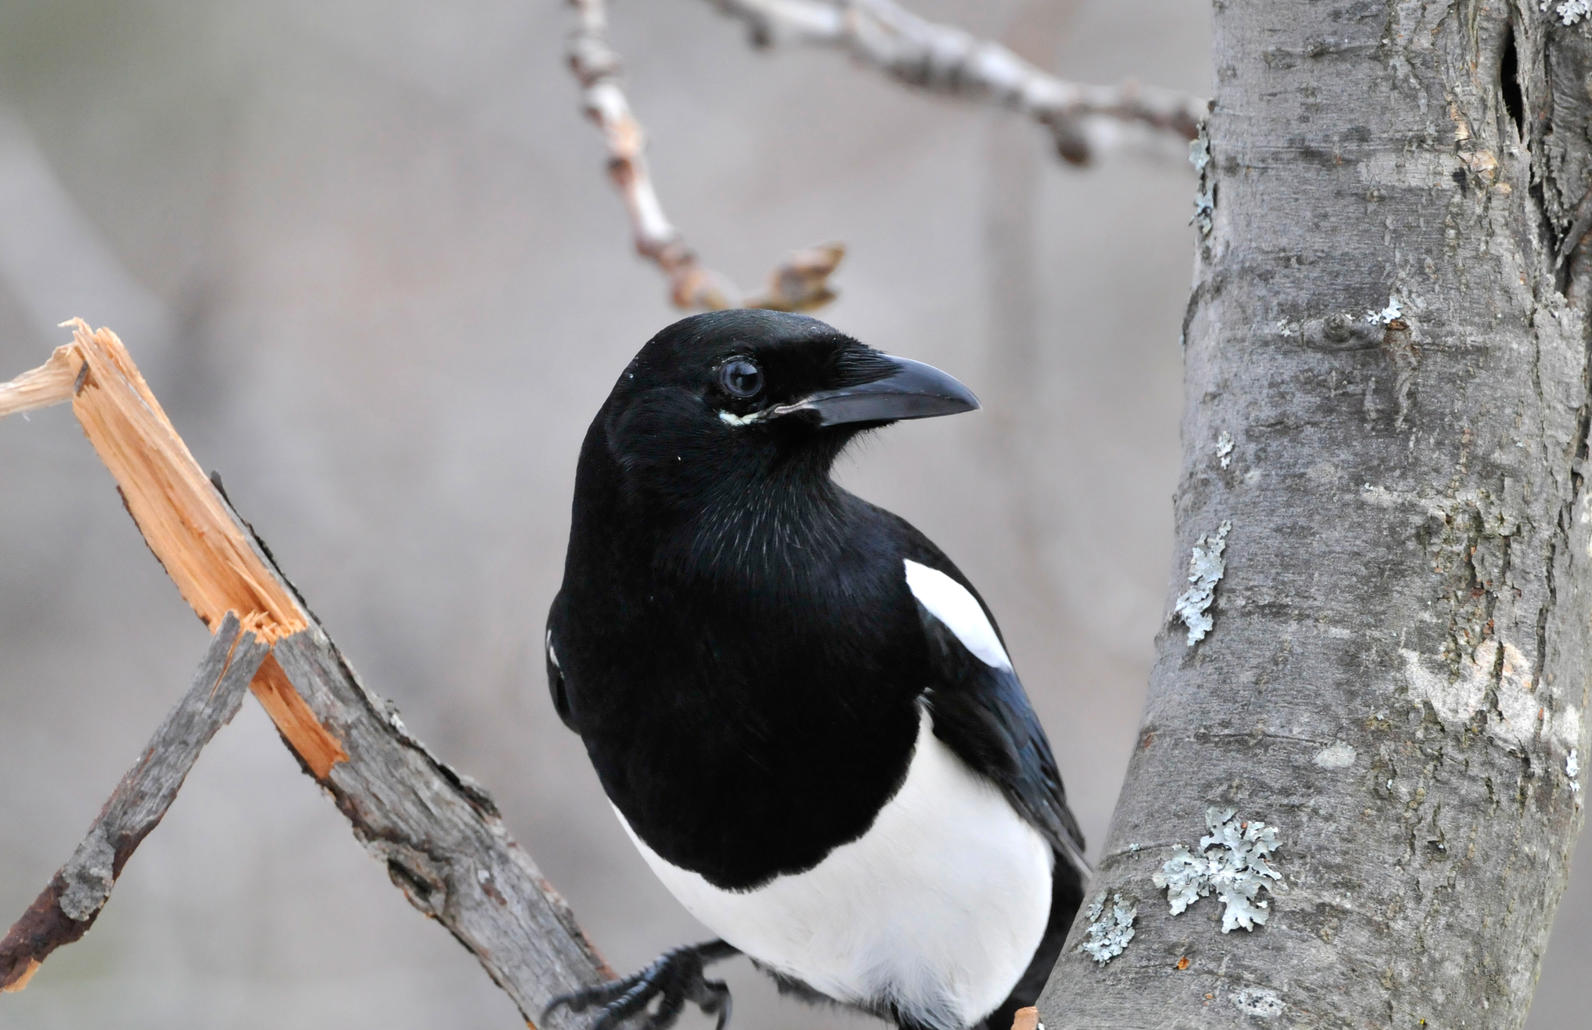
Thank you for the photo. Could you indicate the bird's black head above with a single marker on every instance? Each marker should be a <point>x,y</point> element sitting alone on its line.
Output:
<point>721,402</point>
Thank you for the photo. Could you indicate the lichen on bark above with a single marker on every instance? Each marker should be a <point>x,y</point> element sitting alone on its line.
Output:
<point>1401,671</point>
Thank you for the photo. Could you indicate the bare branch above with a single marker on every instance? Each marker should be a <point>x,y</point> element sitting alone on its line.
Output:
<point>800,284</point>
<point>1085,121</point>
<point>68,906</point>
<point>437,833</point>
<point>441,839</point>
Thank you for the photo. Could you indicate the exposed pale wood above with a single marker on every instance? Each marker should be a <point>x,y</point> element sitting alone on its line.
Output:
<point>50,383</point>
<point>204,549</point>
<point>69,904</point>
<point>177,509</point>
<point>439,835</point>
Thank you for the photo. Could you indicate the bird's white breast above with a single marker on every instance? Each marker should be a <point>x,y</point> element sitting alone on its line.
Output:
<point>937,909</point>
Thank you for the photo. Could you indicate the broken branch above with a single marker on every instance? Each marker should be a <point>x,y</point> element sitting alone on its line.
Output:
<point>438,834</point>
<point>204,549</point>
<point>1084,121</point>
<point>799,284</point>
<point>68,906</point>
<point>441,839</point>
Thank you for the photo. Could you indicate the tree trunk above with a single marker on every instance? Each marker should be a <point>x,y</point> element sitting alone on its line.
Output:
<point>1387,404</point>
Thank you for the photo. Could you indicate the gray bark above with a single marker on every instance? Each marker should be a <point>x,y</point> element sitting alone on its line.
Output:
<point>72,900</point>
<point>438,833</point>
<point>1396,677</point>
<point>441,839</point>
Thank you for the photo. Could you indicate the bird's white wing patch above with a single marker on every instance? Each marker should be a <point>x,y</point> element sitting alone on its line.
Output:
<point>937,909</point>
<point>959,611</point>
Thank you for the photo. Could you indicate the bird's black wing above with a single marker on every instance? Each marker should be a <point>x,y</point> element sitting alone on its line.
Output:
<point>556,684</point>
<point>982,713</point>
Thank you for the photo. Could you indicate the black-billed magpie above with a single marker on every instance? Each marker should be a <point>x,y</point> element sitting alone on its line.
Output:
<point>801,711</point>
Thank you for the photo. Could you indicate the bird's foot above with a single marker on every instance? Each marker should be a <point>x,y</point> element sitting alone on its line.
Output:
<point>674,978</point>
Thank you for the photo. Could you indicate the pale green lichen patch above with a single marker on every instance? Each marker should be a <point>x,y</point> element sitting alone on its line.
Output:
<point>1568,11</point>
<point>1393,310</point>
<point>1199,155</point>
<point>1232,863</point>
<point>1206,565</point>
<point>1110,926</point>
<point>89,876</point>
<point>1259,1002</point>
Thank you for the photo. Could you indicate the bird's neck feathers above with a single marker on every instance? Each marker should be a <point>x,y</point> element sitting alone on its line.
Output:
<point>771,525</point>
<point>696,511</point>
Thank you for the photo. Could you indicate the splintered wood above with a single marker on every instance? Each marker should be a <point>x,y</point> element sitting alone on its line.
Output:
<point>186,522</point>
<point>50,383</point>
<point>437,834</point>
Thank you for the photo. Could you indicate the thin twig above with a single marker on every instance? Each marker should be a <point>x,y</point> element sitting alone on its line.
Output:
<point>69,904</point>
<point>801,283</point>
<point>1084,121</point>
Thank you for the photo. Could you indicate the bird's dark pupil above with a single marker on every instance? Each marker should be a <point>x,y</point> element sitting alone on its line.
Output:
<point>741,378</point>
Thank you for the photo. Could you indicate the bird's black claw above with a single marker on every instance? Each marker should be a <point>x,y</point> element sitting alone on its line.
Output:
<point>675,978</point>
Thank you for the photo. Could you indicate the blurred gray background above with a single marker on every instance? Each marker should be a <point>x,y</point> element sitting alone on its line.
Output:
<point>368,259</point>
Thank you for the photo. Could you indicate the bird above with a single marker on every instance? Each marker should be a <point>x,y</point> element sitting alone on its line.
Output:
<point>800,710</point>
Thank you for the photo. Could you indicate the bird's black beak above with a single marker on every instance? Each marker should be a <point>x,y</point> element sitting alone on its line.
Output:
<point>908,389</point>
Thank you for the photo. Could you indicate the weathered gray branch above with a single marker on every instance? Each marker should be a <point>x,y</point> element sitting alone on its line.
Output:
<point>1085,122</point>
<point>439,835</point>
<point>69,904</point>
<point>1388,396</point>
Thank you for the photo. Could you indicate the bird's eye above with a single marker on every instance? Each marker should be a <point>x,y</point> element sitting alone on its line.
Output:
<point>741,377</point>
